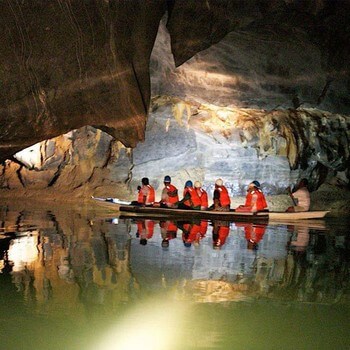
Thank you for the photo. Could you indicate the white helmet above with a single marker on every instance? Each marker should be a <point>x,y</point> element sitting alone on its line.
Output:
<point>219,182</point>
<point>197,184</point>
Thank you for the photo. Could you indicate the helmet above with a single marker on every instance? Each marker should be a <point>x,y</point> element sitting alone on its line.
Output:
<point>256,184</point>
<point>219,182</point>
<point>189,183</point>
<point>167,178</point>
<point>197,184</point>
<point>187,244</point>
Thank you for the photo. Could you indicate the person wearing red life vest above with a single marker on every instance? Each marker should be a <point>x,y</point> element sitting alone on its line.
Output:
<point>169,197</point>
<point>221,197</point>
<point>255,199</point>
<point>191,199</point>
<point>168,231</point>
<point>145,230</point>
<point>146,194</point>
<point>254,233</point>
<point>202,194</point>
<point>221,230</point>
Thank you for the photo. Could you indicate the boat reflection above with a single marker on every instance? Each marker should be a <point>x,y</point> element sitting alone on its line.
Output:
<point>104,262</point>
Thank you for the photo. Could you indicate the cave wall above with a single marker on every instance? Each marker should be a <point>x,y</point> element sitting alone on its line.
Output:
<point>239,90</point>
<point>65,65</point>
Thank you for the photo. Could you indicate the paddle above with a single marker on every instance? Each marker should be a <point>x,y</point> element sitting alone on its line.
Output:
<point>291,196</point>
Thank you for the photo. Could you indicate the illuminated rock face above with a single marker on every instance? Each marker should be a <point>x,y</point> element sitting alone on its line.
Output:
<point>241,106</point>
<point>68,65</point>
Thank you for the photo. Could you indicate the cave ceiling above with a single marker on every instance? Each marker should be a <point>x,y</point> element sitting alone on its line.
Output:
<point>67,64</point>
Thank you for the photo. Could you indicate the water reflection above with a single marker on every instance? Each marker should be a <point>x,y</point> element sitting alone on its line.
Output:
<point>88,270</point>
<point>101,261</point>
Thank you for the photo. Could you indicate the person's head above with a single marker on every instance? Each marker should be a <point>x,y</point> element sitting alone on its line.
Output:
<point>145,181</point>
<point>165,243</point>
<point>143,241</point>
<point>167,179</point>
<point>197,184</point>
<point>187,244</point>
<point>253,185</point>
<point>189,183</point>
<point>219,182</point>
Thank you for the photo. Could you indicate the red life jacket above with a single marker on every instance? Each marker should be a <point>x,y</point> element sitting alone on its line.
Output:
<point>194,201</point>
<point>261,201</point>
<point>148,192</point>
<point>223,233</point>
<point>204,227</point>
<point>172,193</point>
<point>203,195</point>
<point>254,233</point>
<point>224,196</point>
<point>145,228</point>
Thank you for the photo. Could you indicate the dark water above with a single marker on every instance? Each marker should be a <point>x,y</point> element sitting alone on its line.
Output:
<point>76,279</point>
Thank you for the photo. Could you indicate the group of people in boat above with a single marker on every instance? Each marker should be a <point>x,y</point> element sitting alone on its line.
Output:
<point>193,232</point>
<point>196,198</point>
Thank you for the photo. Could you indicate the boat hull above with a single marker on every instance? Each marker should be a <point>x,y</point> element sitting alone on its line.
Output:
<point>137,211</point>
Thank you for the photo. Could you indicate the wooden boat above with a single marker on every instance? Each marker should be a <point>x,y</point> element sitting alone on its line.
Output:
<point>304,215</point>
<point>126,209</point>
<point>194,214</point>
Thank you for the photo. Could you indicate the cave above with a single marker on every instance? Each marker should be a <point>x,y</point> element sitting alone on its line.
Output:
<point>96,96</point>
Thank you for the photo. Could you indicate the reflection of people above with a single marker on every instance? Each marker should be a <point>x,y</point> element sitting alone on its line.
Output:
<point>202,194</point>
<point>221,230</point>
<point>221,197</point>
<point>191,233</point>
<point>301,197</point>
<point>145,230</point>
<point>253,233</point>
<point>168,231</point>
<point>191,199</point>
<point>255,199</point>
<point>169,196</point>
<point>302,237</point>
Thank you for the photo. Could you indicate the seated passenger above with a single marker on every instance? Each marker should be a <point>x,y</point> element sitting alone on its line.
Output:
<point>202,194</point>
<point>221,197</point>
<point>146,193</point>
<point>255,199</point>
<point>169,196</point>
<point>301,197</point>
<point>191,199</point>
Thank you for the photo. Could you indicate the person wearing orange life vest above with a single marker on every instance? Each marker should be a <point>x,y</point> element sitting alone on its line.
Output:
<point>221,197</point>
<point>169,197</point>
<point>255,199</point>
<point>221,230</point>
<point>254,233</point>
<point>202,194</point>
<point>191,199</point>
<point>145,230</point>
<point>168,231</point>
<point>146,194</point>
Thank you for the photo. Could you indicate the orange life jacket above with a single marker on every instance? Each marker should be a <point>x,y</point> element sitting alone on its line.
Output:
<point>147,191</point>
<point>172,193</point>
<point>261,201</point>
<point>223,233</point>
<point>203,195</point>
<point>145,228</point>
<point>254,233</point>
<point>224,196</point>
<point>194,200</point>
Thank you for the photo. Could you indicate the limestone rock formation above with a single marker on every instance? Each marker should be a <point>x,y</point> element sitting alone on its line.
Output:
<point>65,65</point>
<point>239,90</point>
